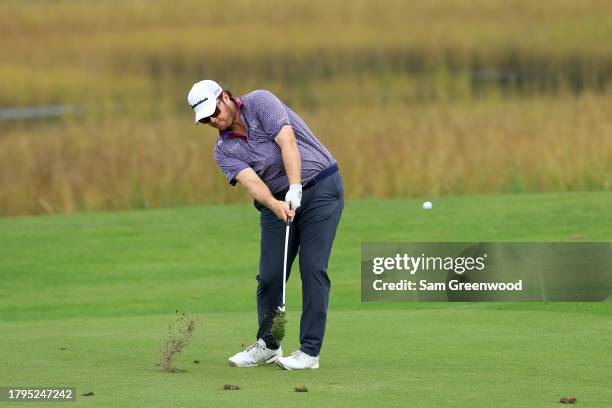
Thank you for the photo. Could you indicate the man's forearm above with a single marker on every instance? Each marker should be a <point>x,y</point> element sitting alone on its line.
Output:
<point>256,187</point>
<point>291,155</point>
<point>293,165</point>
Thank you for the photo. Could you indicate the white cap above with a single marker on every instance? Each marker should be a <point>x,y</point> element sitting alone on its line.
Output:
<point>203,98</point>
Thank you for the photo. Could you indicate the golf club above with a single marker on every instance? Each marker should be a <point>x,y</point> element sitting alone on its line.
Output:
<point>282,308</point>
<point>278,323</point>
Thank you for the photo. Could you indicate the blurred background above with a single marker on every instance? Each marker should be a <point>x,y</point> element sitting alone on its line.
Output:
<point>414,98</point>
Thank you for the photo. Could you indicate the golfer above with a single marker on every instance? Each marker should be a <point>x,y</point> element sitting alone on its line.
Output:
<point>270,151</point>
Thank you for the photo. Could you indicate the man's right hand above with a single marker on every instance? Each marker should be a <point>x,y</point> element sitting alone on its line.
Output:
<point>282,210</point>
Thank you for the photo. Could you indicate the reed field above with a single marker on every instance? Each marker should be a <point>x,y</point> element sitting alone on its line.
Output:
<point>413,98</point>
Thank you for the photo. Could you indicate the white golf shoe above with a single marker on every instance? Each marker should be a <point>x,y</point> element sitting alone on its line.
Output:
<point>298,360</point>
<point>255,354</point>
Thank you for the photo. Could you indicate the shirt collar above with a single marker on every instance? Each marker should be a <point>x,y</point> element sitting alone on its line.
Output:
<point>229,133</point>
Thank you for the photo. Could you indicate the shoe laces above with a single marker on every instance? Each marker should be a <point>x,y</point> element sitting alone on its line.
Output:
<point>255,345</point>
<point>299,354</point>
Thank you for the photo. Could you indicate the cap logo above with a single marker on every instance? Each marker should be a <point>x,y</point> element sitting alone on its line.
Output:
<point>199,102</point>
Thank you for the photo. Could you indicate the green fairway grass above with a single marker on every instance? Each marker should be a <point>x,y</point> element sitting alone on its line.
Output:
<point>105,287</point>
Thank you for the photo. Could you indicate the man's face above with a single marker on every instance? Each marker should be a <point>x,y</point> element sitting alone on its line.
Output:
<point>222,117</point>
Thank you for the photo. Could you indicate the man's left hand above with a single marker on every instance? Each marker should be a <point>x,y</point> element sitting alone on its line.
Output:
<point>293,198</point>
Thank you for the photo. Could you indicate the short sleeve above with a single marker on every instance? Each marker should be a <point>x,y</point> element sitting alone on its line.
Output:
<point>229,165</point>
<point>271,112</point>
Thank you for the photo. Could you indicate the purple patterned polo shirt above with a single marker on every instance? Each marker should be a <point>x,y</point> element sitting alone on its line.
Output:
<point>264,115</point>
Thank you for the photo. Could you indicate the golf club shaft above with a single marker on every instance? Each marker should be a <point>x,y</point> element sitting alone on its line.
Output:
<point>285,261</point>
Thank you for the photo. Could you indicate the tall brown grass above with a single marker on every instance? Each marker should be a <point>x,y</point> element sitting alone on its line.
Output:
<point>384,150</point>
<point>134,52</point>
<point>413,98</point>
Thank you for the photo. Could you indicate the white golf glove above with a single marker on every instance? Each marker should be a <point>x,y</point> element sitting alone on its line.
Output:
<point>293,198</point>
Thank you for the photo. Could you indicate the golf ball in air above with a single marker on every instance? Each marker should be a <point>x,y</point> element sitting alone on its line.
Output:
<point>427,205</point>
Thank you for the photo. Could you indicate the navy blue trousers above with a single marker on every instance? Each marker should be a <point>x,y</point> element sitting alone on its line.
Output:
<point>311,235</point>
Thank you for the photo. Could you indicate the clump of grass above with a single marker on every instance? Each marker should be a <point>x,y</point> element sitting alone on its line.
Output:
<point>278,326</point>
<point>180,333</point>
